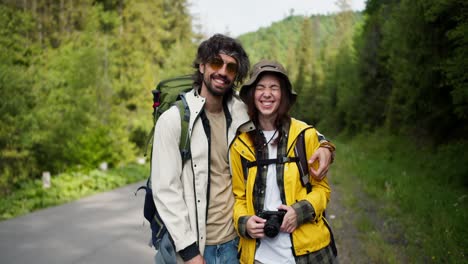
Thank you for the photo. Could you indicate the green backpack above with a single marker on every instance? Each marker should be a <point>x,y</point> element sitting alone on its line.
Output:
<point>167,93</point>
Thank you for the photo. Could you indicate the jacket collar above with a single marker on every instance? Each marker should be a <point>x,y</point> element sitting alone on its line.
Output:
<point>292,131</point>
<point>237,111</point>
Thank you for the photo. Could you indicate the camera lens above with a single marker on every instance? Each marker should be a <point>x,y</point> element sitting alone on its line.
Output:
<point>272,226</point>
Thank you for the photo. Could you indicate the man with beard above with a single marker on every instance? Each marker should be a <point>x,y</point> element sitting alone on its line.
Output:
<point>194,197</point>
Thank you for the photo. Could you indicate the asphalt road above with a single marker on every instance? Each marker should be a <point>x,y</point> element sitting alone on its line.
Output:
<point>100,229</point>
<point>104,228</point>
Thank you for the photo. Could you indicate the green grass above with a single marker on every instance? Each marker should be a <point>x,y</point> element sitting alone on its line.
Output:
<point>420,196</point>
<point>67,187</point>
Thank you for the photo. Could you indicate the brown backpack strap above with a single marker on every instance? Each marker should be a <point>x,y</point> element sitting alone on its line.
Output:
<point>300,151</point>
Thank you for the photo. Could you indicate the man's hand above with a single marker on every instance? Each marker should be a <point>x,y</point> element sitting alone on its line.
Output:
<point>198,259</point>
<point>255,226</point>
<point>324,157</point>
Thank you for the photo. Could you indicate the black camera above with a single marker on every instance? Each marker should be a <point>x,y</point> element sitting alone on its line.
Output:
<point>273,223</point>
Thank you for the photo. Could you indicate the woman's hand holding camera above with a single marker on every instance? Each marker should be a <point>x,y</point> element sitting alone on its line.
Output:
<point>289,220</point>
<point>269,223</point>
<point>255,226</point>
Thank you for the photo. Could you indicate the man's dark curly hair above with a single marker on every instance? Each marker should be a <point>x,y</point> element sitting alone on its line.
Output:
<point>215,45</point>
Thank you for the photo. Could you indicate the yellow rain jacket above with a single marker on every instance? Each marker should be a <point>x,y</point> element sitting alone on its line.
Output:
<point>309,236</point>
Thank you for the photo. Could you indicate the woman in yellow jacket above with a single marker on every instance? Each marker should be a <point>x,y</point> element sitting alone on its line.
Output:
<point>278,219</point>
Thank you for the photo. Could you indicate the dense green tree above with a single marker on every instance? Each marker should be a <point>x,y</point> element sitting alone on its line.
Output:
<point>304,60</point>
<point>452,18</point>
<point>78,125</point>
<point>340,86</point>
<point>17,101</point>
<point>420,101</point>
<point>153,42</point>
<point>375,82</point>
<point>77,77</point>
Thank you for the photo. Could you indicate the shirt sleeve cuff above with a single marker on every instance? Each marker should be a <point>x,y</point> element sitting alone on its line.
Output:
<point>242,226</point>
<point>189,252</point>
<point>305,212</point>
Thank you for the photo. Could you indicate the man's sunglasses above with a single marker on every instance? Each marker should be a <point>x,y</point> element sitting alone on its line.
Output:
<point>217,63</point>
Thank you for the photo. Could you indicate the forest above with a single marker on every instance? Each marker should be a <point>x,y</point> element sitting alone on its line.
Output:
<point>76,80</point>
<point>76,76</point>
<point>388,83</point>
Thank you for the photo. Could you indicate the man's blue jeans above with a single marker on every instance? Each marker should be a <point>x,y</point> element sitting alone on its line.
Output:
<point>222,254</point>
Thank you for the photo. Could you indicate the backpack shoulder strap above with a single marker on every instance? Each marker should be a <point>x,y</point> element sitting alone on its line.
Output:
<point>266,162</point>
<point>184,112</point>
<point>300,151</point>
<point>300,159</point>
<point>245,168</point>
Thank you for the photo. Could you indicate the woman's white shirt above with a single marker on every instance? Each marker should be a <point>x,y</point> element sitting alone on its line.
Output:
<point>279,248</point>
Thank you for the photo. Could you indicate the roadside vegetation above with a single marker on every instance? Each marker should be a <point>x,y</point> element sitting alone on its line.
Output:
<point>409,203</point>
<point>30,195</point>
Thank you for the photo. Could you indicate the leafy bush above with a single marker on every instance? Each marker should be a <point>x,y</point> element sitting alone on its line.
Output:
<point>30,195</point>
